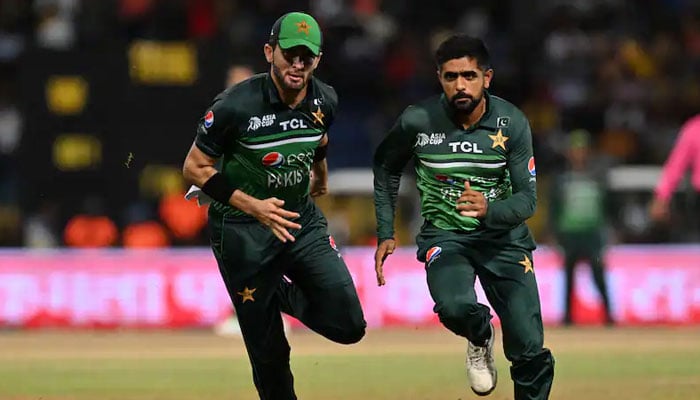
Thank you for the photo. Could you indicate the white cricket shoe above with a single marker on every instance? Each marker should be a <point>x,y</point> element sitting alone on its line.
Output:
<point>481,370</point>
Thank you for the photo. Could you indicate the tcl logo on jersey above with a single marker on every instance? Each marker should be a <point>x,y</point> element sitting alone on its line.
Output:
<point>209,119</point>
<point>465,147</point>
<point>273,159</point>
<point>294,123</point>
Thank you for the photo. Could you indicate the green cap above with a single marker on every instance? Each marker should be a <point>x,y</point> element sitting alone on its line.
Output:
<point>297,29</point>
<point>579,138</point>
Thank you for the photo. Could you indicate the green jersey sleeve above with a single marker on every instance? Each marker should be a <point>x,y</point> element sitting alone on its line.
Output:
<point>514,210</point>
<point>215,130</point>
<point>390,158</point>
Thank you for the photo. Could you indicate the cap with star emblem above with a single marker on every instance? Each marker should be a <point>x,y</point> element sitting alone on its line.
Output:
<point>297,29</point>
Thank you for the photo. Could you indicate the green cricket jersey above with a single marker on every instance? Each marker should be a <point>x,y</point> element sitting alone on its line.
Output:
<point>494,155</point>
<point>578,202</point>
<point>267,148</point>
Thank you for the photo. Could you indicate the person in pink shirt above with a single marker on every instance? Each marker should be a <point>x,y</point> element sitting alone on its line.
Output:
<point>684,155</point>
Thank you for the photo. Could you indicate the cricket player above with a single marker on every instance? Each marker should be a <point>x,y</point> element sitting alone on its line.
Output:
<point>269,239</point>
<point>476,177</point>
<point>577,212</point>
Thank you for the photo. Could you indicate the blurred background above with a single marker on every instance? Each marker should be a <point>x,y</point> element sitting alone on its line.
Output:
<point>99,101</point>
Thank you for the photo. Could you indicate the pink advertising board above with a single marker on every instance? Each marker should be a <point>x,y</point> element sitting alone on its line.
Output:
<point>182,288</point>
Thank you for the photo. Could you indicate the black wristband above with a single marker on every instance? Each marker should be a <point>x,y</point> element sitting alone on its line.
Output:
<point>320,153</point>
<point>218,188</point>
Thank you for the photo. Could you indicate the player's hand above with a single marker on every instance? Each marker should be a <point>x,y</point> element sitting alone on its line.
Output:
<point>472,203</point>
<point>319,186</point>
<point>384,249</point>
<point>271,214</point>
<point>659,210</point>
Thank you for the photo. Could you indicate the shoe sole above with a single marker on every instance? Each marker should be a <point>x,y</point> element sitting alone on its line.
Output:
<point>495,381</point>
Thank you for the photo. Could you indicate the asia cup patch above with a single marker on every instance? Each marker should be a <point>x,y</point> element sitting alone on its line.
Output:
<point>531,166</point>
<point>209,119</point>
<point>432,254</point>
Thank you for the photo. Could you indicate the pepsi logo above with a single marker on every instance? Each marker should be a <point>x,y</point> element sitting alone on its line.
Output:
<point>531,166</point>
<point>445,178</point>
<point>273,159</point>
<point>209,119</point>
<point>432,254</point>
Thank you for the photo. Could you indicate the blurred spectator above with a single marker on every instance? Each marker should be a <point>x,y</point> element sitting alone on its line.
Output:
<point>184,219</point>
<point>578,214</point>
<point>238,73</point>
<point>91,227</point>
<point>146,234</point>
<point>142,230</point>
<point>40,228</point>
<point>56,25</point>
<point>684,156</point>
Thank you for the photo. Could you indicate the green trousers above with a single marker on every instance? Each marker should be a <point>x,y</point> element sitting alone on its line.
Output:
<point>307,279</point>
<point>503,263</point>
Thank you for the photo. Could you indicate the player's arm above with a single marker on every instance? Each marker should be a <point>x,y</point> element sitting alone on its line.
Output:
<point>214,134</point>
<point>506,213</point>
<point>390,158</point>
<point>677,163</point>
<point>319,169</point>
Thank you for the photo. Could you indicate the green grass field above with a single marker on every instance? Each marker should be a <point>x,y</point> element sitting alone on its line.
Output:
<point>592,363</point>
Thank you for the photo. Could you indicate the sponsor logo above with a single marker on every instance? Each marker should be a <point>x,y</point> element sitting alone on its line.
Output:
<point>273,159</point>
<point>423,139</point>
<point>502,122</point>
<point>465,147</point>
<point>276,159</point>
<point>432,254</point>
<point>255,123</point>
<point>294,123</point>
<point>332,242</point>
<point>445,179</point>
<point>318,101</point>
<point>209,119</point>
<point>531,166</point>
<point>285,180</point>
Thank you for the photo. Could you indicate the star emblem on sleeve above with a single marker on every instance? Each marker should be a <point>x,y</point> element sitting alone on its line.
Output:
<point>318,115</point>
<point>247,294</point>
<point>303,27</point>
<point>499,140</point>
<point>527,264</point>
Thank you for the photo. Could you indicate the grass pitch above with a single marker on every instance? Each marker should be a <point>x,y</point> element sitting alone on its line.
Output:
<point>592,363</point>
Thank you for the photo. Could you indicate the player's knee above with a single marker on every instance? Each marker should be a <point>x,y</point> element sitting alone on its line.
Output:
<point>458,309</point>
<point>352,333</point>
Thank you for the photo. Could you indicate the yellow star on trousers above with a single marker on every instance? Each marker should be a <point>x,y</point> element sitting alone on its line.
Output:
<point>499,140</point>
<point>303,27</point>
<point>527,264</point>
<point>247,294</point>
<point>318,116</point>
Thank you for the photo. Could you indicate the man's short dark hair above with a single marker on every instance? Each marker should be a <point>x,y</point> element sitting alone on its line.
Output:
<point>458,46</point>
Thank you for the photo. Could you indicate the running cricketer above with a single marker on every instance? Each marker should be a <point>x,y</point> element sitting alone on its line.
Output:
<point>476,177</point>
<point>270,240</point>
